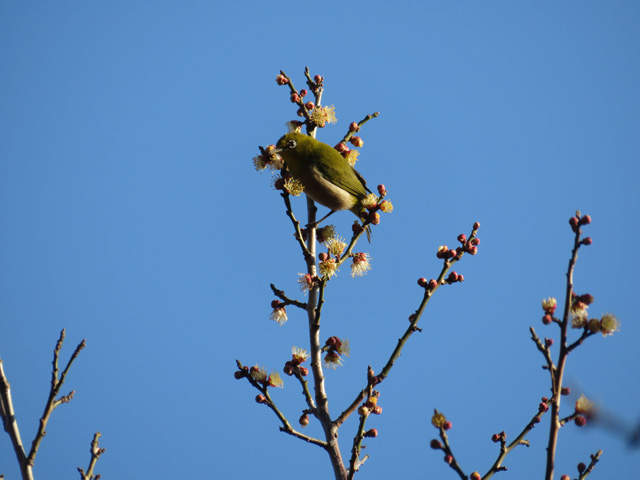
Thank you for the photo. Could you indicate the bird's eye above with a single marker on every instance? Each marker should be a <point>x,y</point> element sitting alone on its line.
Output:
<point>291,144</point>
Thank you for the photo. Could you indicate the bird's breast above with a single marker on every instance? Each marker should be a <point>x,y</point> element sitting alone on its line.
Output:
<point>324,192</point>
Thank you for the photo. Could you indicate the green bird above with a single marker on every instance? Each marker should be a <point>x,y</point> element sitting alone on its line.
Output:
<point>326,175</point>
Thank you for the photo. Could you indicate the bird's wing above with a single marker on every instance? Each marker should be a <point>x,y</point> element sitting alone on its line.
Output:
<point>362,180</point>
<point>349,179</point>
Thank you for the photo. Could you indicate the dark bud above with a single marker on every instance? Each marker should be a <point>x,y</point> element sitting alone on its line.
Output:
<point>288,368</point>
<point>435,444</point>
<point>304,420</point>
<point>573,221</point>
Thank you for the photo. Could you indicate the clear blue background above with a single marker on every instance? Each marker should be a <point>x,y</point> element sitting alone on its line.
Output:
<point>131,215</point>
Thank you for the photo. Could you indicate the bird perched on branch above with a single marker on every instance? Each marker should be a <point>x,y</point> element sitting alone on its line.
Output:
<point>326,175</point>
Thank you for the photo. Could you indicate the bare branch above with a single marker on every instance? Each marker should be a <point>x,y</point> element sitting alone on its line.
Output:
<point>95,455</point>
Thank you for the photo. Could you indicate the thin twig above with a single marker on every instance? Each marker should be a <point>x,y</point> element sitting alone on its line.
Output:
<point>56,385</point>
<point>556,385</point>
<point>505,449</point>
<point>96,451</point>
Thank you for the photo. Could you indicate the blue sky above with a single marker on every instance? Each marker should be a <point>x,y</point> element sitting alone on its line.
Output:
<point>131,215</point>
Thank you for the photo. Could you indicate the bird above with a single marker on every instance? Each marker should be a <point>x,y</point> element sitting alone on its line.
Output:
<point>326,175</point>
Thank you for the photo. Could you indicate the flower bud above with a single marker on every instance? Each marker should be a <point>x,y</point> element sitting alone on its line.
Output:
<point>295,98</point>
<point>372,433</point>
<point>281,80</point>
<point>476,225</point>
<point>353,127</point>
<point>382,190</point>
<point>239,374</point>
<point>356,141</point>
<point>447,425</point>
<point>495,438</point>
<point>374,218</point>
<point>318,79</point>
<point>587,299</point>
<point>585,220</point>
<point>304,371</point>
<point>581,467</point>
<point>304,420</point>
<point>432,284</point>
<point>332,341</point>
<point>303,93</point>
<point>565,391</point>
<point>475,476</point>
<point>261,399</point>
<point>377,410</point>
<point>423,283</point>
<point>462,238</point>
<point>341,147</point>
<point>547,319</point>
<point>435,444</point>
<point>448,459</point>
<point>587,241</point>
<point>323,257</point>
<point>580,421</point>
<point>309,105</point>
<point>276,304</point>
<point>573,221</point>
